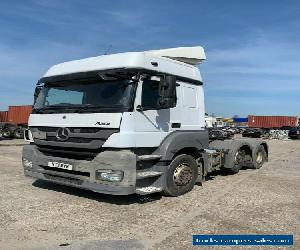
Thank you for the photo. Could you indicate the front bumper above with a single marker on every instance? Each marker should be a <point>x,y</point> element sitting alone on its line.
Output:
<point>83,173</point>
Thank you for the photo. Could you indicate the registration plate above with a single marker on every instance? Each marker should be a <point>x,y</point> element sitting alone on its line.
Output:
<point>54,164</point>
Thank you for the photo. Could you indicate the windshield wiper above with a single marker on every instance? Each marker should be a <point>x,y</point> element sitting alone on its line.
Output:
<point>75,108</point>
<point>53,107</point>
<point>92,107</point>
<point>43,110</point>
<point>64,105</point>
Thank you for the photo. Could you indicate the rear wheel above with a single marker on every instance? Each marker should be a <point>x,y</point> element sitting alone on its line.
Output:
<point>238,158</point>
<point>260,157</point>
<point>181,175</point>
<point>19,133</point>
<point>6,133</point>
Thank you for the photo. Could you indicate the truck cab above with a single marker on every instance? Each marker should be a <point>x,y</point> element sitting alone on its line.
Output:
<point>127,123</point>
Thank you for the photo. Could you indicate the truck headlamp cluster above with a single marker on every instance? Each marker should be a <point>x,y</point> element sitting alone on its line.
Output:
<point>27,163</point>
<point>109,175</point>
<point>28,135</point>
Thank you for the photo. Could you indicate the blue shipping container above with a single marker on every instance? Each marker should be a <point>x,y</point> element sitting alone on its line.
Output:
<point>238,119</point>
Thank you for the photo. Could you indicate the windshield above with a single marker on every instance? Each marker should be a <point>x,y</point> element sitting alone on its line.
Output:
<point>85,96</point>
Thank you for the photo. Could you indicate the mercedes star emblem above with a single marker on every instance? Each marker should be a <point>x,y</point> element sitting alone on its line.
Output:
<point>62,134</point>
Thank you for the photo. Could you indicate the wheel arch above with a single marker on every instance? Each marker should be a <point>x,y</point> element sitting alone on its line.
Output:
<point>192,151</point>
<point>183,141</point>
<point>186,142</point>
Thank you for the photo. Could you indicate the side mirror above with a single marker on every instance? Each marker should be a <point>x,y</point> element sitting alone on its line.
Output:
<point>37,92</point>
<point>167,92</point>
<point>139,108</point>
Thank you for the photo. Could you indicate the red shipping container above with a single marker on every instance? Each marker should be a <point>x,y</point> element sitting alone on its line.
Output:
<point>19,114</point>
<point>3,116</point>
<point>272,121</point>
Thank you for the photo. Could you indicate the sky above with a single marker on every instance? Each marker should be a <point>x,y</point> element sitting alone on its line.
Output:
<point>252,47</point>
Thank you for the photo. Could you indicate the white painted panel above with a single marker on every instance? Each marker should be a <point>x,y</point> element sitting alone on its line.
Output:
<point>126,60</point>
<point>135,139</point>
<point>97,120</point>
<point>192,110</point>
<point>189,96</point>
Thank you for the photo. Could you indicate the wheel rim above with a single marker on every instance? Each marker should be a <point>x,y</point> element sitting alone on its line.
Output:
<point>182,175</point>
<point>259,157</point>
<point>19,134</point>
<point>6,133</point>
<point>238,157</point>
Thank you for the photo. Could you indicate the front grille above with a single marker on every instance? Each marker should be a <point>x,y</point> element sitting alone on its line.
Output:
<point>45,129</point>
<point>63,179</point>
<point>69,153</point>
<point>87,138</point>
<point>71,139</point>
<point>73,130</point>
<point>66,171</point>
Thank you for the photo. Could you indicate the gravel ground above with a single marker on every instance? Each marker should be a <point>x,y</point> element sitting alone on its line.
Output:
<point>11,142</point>
<point>41,215</point>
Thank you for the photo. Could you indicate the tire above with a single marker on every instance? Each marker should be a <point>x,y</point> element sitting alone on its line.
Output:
<point>181,175</point>
<point>234,170</point>
<point>19,133</point>
<point>260,156</point>
<point>238,157</point>
<point>7,133</point>
<point>232,163</point>
<point>236,166</point>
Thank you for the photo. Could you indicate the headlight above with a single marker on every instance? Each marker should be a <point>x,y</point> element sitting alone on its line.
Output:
<point>28,135</point>
<point>27,163</point>
<point>109,175</point>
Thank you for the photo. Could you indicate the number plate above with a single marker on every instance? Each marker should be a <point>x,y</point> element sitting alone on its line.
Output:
<point>53,164</point>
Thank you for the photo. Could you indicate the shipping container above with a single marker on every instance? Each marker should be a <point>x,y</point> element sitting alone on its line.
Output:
<point>19,114</point>
<point>272,121</point>
<point>3,116</point>
<point>240,119</point>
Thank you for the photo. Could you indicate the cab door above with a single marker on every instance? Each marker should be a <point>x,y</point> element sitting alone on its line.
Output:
<point>152,124</point>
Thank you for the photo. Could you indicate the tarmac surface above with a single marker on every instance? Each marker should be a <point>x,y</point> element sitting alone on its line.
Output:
<point>41,215</point>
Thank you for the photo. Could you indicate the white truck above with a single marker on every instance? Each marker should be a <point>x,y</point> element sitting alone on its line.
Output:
<point>129,123</point>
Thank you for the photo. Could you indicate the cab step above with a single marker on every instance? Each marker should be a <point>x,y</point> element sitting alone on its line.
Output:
<point>148,190</point>
<point>149,157</point>
<point>147,174</point>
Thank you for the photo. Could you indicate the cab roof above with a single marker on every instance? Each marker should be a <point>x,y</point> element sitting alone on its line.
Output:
<point>165,61</point>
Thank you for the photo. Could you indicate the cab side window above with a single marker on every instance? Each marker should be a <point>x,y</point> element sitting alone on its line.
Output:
<point>150,94</point>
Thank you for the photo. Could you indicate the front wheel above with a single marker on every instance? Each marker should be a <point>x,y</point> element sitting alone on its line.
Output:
<point>181,175</point>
